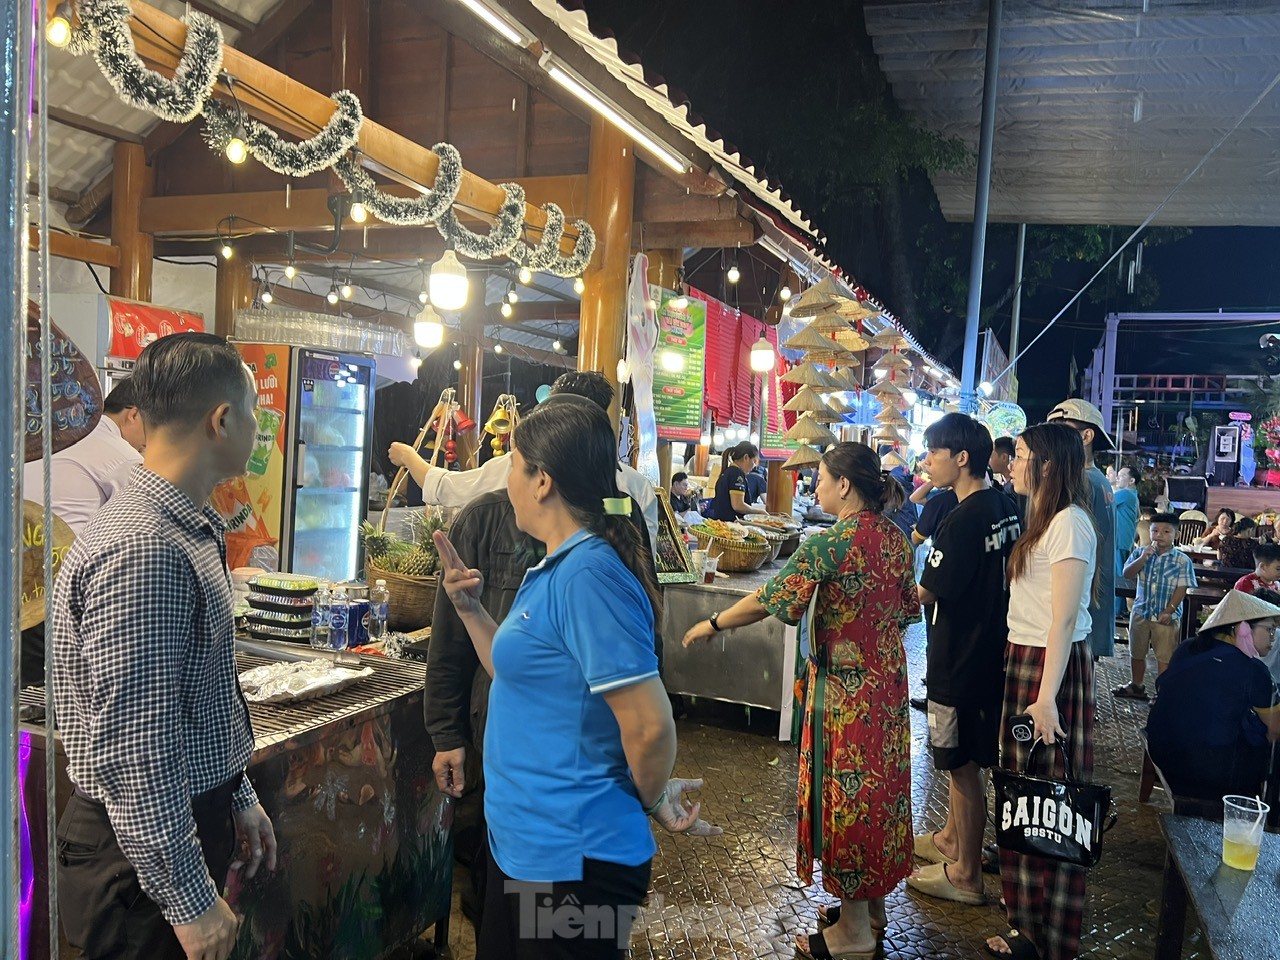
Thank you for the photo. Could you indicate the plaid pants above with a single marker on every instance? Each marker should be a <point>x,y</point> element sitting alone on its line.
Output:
<point>1046,897</point>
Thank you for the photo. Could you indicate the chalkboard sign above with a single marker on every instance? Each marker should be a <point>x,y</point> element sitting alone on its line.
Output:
<point>76,393</point>
<point>33,585</point>
<point>672,558</point>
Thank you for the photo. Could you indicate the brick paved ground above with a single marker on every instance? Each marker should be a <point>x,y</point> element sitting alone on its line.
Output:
<point>736,896</point>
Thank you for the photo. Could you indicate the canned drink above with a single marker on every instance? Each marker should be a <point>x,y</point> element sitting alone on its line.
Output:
<point>357,623</point>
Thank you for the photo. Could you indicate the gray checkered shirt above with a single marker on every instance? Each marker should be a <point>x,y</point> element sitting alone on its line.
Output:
<point>149,706</point>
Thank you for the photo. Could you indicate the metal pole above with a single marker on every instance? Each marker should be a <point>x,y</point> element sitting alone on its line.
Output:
<point>991,76</point>
<point>1017,311</point>
<point>15,101</point>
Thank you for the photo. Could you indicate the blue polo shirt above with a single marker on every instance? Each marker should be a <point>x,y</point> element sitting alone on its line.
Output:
<point>557,784</point>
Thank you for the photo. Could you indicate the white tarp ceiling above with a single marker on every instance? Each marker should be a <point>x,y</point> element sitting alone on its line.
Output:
<point>1103,105</point>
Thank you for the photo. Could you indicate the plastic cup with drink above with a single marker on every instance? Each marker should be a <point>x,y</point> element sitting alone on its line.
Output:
<point>1242,819</point>
<point>709,569</point>
<point>699,558</point>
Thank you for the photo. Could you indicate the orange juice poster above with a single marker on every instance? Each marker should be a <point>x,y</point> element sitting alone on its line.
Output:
<point>251,505</point>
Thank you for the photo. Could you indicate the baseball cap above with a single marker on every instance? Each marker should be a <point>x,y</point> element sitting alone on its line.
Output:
<point>1082,411</point>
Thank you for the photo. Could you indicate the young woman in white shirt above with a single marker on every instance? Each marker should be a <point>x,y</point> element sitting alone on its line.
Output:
<point>1049,675</point>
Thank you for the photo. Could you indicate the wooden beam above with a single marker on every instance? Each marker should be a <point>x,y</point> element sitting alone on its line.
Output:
<point>56,195</point>
<point>665,266</point>
<point>296,109</point>
<point>708,234</point>
<point>70,247</point>
<point>223,15</point>
<point>133,181</point>
<point>90,201</point>
<point>611,180</point>
<point>658,200</point>
<point>566,311</point>
<point>203,214</point>
<point>234,291</point>
<point>77,121</point>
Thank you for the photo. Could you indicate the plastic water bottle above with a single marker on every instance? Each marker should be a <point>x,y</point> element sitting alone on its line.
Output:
<point>379,603</point>
<point>321,617</point>
<point>339,613</point>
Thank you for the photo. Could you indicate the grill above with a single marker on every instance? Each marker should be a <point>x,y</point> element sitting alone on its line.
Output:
<point>274,724</point>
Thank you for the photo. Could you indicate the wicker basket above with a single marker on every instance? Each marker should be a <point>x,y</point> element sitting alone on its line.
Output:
<point>790,545</point>
<point>736,556</point>
<point>412,599</point>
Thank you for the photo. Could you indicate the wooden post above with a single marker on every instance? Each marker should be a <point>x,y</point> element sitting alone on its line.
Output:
<point>780,495</point>
<point>132,181</point>
<point>611,181</point>
<point>664,267</point>
<point>234,291</point>
<point>349,66</point>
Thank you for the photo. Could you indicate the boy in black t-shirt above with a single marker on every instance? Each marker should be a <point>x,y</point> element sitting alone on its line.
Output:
<point>964,578</point>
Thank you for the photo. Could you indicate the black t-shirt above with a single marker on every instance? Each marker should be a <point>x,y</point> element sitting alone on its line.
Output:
<point>730,479</point>
<point>934,511</point>
<point>965,570</point>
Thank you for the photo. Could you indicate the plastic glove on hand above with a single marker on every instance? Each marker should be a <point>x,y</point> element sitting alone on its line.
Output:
<point>676,816</point>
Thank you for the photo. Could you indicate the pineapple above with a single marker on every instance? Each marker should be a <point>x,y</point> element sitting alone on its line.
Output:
<point>422,524</point>
<point>377,545</point>
<point>418,563</point>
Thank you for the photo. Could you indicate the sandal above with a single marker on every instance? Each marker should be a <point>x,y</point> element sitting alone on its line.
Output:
<point>818,950</point>
<point>1020,948</point>
<point>829,916</point>
<point>1131,692</point>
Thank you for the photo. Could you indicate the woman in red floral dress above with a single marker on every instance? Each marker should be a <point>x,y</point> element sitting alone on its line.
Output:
<point>855,584</point>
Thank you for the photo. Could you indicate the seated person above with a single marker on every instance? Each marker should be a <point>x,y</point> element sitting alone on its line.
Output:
<point>757,484</point>
<point>1236,549</point>
<point>730,501</point>
<point>682,498</point>
<point>1266,570</point>
<point>1213,722</point>
<point>1223,524</point>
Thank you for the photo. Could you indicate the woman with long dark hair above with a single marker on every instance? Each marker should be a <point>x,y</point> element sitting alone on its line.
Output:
<point>580,741</point>
<point>730,501</point>
<point>854,586</point>
<point>1049,675</point>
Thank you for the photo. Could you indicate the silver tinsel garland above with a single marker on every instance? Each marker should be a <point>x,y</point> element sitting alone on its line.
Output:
<point>498,241</point>
<point>574,264</point>
<point>104,31</point>
<point>547,251</point>
<point>321,152</point>
<point>407,211</point>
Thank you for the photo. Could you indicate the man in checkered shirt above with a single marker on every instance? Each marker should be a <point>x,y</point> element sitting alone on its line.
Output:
<point>150,711</point>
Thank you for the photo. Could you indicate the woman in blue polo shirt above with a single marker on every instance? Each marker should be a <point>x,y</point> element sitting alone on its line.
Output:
<point>730,501</point>
<point>580,741</point>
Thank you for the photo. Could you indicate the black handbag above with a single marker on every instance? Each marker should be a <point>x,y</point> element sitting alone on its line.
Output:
<point>1056,819</point>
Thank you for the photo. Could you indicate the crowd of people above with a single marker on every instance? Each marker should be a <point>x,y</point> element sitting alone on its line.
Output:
<point>546,659</point>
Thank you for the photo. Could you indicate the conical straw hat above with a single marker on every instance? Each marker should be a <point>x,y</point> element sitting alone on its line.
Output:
<point>806,456</point>
<point>808,374</point>
<point>809,339</point>
<point>892,459</point>
<point>844,376</point>
<point>836,405</point>
<point>823,294</point>
<point>852,339</point>
<point>833,353</point>
<point>860,309</point>
<point>1237,607</point>
<point>888,435</point>
<point>892,361</point>
<point>810,430</point>
<point>887,339</point>
<point>805,401</point>
<point>829,322</point>
<point>885,388</point>
<point>891,416</point>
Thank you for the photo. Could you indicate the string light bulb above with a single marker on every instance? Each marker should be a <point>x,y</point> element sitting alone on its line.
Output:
<point>290,271</point>
<point>557,346</point>
<point>526,276</point>
<point>237,150</point>
<point>347,291</point>
<point>359,213</point>
<point>579,286</point>
<point>416,360</point>
<point>785,292</point>
<point>506,309</point>
<point>226,251</point>
<point>457,364</point>
<point>512,295</point>
<point>58,30</point>
<point>332,296</point>
<point>423,296</point>
<point>987,388</point>
<point>786,309</point>
<point>497,348</point>
<point>734,274</point>
<point>448,285</point>
<point>267,296</point>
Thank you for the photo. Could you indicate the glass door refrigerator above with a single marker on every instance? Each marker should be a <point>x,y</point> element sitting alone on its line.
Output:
<point>330,434</point>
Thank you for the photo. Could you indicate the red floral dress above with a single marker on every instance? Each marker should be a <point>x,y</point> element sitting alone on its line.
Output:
<point>861,814</point>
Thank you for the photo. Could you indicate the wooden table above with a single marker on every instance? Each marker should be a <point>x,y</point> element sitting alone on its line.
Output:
<point>1219,574</point>
<point>1239,911</point>
<point>1197,598</point>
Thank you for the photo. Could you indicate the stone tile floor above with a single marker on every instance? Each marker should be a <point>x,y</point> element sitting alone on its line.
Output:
<point>735,896</point>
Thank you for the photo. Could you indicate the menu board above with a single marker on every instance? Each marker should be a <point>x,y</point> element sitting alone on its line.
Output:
<point>678,365</point>
<point>773,446</point>
<point>671,553</point>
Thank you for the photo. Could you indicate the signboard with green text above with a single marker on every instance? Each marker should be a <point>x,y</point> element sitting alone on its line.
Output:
<point>678,365</point>
<point>773,446</point>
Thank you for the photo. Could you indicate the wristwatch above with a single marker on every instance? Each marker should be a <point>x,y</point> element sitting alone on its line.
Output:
<point>712,620</point>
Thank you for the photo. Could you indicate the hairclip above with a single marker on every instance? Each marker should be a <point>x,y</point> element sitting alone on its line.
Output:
<point>617,506</point>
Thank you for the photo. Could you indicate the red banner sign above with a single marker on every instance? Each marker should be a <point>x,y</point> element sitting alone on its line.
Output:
<point>134,325</point>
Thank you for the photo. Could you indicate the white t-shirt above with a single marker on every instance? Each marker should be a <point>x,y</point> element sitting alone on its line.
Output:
<point>1070,537</point>
<point>85,475</point>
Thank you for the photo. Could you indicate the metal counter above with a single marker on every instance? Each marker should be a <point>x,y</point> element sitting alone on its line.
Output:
<point>753,666</point>
<point>365,839</point>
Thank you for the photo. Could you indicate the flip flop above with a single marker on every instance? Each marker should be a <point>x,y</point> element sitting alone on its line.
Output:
<point>1020,948</point>
<point>818,950</point>
<point>934,882</point>
<point>830,916</point>
<point>927,849</point>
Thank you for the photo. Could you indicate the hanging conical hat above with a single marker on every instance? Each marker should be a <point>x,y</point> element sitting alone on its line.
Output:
<point>823,294</point>
<point>885,388</point>
<point>852,339</point>
<point>887,339</point>
<point>809,339</point>
<point>888,435</point>
<point>828,322</point>
<point>892,416</point>
<point>806,456</point>
<point>891,460</point>
<point>892,361</point>
<point>808,374</point>
<point>844,377</point>
<point>1237,607</point>
<point>836,405</point>
<point>810,430</point>
<point>833,353</point>
<point>805,400</point>
<point>859,309</point>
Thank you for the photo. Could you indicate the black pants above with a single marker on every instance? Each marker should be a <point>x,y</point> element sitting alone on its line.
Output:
<point>587,919</point>
<point>104,911</point>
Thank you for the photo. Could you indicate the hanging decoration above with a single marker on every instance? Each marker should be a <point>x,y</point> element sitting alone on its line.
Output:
<point>499,240</point>
<point>642,346</point>
<point>406,211</point>
<point>322,151</point>
<point>547,252</point>
<point>502,422</point>
<point>104,32</point>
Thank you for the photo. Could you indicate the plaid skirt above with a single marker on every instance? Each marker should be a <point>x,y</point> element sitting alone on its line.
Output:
<point>1045,897</point>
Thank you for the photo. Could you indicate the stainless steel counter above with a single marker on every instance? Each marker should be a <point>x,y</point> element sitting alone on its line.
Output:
<point>751,665</point>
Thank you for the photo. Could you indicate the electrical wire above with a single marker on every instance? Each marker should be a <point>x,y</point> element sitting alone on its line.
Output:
<point>96,279</point>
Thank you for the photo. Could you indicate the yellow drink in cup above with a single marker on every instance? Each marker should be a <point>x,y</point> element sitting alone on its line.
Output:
<point>1242,819</point>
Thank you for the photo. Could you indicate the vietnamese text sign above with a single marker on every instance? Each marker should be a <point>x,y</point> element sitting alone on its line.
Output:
<point>678,366</point>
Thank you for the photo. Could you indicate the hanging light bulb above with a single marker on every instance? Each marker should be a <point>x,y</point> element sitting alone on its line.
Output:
<point>671,361</point>
<point>786,309</point>
<point>237,150</point>
<point>720,439</point>
<point>526,276</point>
<point>681,302</point>
<point>457,364</point>
<point>359,212</point>
<point>755,437</point>
<point>506,309</point>
<point>557,346</point>
<point>652,304</point>
<point>347,291</point>
<point>448,285</point>
<point>290,271</point>
<point>497,348</point>
<point>579,286</point>
<point>987,388</point>
<point>762,356</point>
<point>332,295</point>
<point>785,292</point>
<point>734,274</point>
<point>58,30</point>
<point>428,330</point>
<point>226,251</point>
<point>267,296</point>
<point>423,296</point>
<point>512,295</point>
<point>416,361</point>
